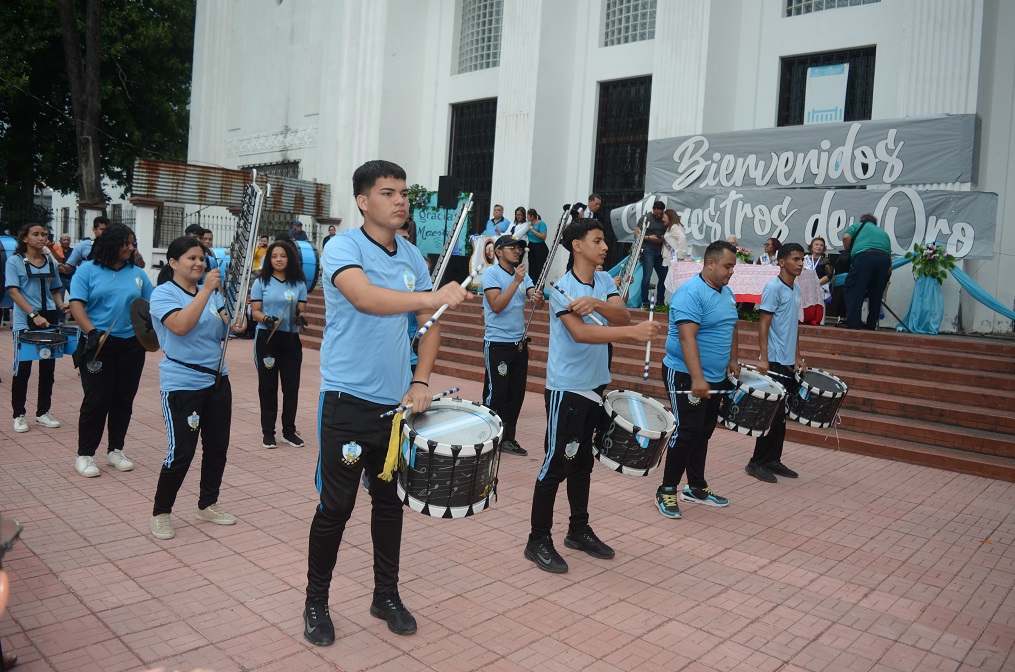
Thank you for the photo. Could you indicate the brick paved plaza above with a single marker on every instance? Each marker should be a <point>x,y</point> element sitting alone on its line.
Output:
<point>861,564</point>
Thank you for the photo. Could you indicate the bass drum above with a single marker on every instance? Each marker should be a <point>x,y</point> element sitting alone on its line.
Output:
<point>7,245</point>
<point>221,258</point>
<point>311,261</point>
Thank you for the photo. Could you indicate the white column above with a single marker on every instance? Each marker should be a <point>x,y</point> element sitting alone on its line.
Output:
<point>145,210</point>
<point>516,105</point>
<point>678,68</point>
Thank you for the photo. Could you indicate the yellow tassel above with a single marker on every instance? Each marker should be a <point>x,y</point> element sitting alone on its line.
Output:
<point>394,445</point>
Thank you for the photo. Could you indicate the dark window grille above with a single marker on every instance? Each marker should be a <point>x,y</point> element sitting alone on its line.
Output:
<point>470,156</point>
<point>859,83</point>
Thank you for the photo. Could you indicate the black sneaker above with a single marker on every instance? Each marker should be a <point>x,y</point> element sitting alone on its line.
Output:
<point>318,628</point>
<point>760,472</point>
<point>781,469</point>
<point>587,541</point>
<point>268,441</point>
<point>390,608</point>
<point>293,439</point>
<point>513,448</point>
<point>546,557</point>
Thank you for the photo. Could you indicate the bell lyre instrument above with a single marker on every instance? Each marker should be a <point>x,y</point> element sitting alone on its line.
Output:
<point>236,282</point>
<point>632,259</point>
<point>449,244</point>
<point>541,281</point>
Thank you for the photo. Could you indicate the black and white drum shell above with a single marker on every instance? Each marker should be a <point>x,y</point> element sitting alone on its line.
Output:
<point>640,429</point>
<point>751,405</point>
<point>39,345</point>
<point>448,463</point>
<point>818,400</point>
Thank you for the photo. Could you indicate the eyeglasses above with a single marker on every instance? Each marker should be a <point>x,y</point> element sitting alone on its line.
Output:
<point>10,529</point>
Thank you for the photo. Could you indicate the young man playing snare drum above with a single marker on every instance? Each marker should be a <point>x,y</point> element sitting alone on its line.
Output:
<point>777,339</point>
<point>374,280</point>
<point>577,373</point>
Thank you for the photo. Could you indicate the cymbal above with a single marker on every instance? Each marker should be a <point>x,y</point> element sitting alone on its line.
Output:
<point>141,320</point>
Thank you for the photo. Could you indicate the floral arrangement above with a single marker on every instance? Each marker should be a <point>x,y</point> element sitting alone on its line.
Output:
<point>744,255</point>
<point>931,260</point>
<point>419,198</point>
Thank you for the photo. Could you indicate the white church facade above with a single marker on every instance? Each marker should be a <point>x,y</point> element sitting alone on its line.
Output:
<point>538,103</point>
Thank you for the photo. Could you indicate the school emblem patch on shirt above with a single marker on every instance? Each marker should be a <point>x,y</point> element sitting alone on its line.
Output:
<point>269,362</point>
<point>194,420</point>
<point>502,368</point>
<point>212,309</point>
<point>570,450</point>
<point>137,281</point>
<point>351,452</point>
<point>410,280</point>
<point>289,296</point>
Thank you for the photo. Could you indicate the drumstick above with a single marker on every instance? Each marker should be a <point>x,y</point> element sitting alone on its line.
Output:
<point>770,372</point>
<point>692,391</point>
<point>440,311</point>
<point>406,407</point>
<point>648,346</point>
<point>570,300</point>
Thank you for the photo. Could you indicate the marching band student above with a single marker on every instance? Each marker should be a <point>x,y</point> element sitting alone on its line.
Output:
<point>29,276</point>
<point>576,376</point>
<point>506,287</point>
<point>190,321</point>
<point>373,280</point>
<point>278,299</point>
<point>777,340</point>
<point>83,250</point>
<point>701,350</point>
<point>100,296</point>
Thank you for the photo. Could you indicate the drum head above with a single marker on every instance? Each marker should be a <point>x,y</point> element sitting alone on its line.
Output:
<point>637,410</point>
<point>760,385</point>
<point>824,381</point>
<point>453,423</point>
<point>42,337</point>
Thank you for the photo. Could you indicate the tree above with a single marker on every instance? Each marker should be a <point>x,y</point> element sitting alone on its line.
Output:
<point>145,51</point>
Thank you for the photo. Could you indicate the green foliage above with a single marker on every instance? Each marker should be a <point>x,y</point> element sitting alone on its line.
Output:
<point>147,51</point>
<point>931,260</point>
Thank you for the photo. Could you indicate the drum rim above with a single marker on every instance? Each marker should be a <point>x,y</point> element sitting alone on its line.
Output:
<point>817,390</point>
<point>759,394</point>
<point>650,434</point>
<point>454,449</point>
<point>60,338</point>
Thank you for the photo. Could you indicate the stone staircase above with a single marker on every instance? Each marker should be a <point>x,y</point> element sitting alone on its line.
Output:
<point>940,401</point>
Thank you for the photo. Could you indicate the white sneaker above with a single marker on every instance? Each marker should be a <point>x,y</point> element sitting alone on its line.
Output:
<point>47,420</point>
<point>20,424</point>
<point>162,527</point>
<point>117,460</point>
<point>85,465</point>
<point>216,514</point>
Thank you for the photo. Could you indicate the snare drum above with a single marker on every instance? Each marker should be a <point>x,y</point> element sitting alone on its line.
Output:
<point>751,405</point>
<point>817,402</point>
<point>72,339</point>
<point>448,463</point>
<point>640,429</point>
<point>42,344</point>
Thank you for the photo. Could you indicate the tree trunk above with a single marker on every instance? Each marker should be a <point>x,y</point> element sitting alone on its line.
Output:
<point>83,76</point>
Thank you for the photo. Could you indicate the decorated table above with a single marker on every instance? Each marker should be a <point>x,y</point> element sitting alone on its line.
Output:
<point>748,280</point>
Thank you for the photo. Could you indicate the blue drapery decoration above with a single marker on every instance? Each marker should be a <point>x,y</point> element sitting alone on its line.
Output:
<point>926,308</point>
<point>634,294</point>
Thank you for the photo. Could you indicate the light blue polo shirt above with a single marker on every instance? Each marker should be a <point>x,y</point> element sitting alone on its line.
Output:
<point>28,279</point>
<point>80,253</point>
<point>278,299</point>
<point>715,313</point>
<point>202,345</point>
<point>783,302</point>
<point>571,365</point>
<point>367,355</point>
<point>107,294</point>
<point>508,325</point>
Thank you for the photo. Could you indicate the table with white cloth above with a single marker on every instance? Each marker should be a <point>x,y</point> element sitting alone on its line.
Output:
<point>748,280</point>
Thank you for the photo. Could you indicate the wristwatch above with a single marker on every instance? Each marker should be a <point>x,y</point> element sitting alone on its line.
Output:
<point>32,315</point>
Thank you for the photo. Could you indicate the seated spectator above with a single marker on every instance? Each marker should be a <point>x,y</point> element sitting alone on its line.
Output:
<point>770,257</point>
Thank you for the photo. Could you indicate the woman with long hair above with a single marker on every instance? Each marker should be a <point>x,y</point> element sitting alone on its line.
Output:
<point>277,300</point>
<point>538,251</point>
<point>675,239</point>
<point>190,321</point>
<point>520,226</point>
<point>30,275</point>
<point>110,358</point>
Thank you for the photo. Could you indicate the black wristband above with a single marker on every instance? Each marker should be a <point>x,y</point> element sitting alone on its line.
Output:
<point>419,382</point>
